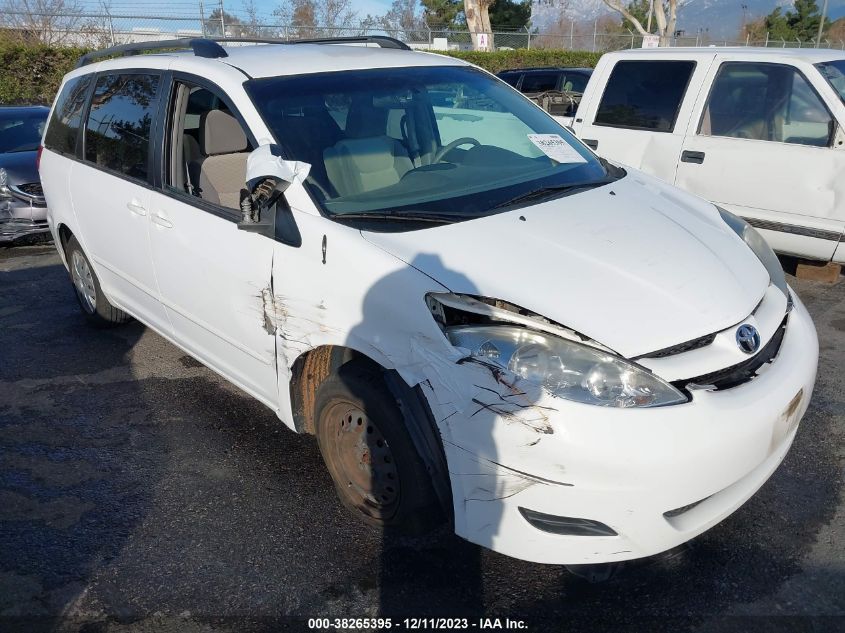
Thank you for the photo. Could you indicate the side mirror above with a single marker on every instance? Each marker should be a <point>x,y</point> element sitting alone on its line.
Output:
<point>838,136</point>
<point>268,175</point>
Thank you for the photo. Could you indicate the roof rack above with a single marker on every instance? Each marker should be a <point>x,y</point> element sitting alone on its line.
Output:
<point>211,48</point>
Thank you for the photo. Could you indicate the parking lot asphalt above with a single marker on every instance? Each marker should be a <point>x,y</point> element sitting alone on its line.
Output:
<point>139,491</point>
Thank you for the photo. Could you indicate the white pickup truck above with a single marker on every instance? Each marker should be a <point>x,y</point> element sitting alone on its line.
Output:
<point>758,131</point>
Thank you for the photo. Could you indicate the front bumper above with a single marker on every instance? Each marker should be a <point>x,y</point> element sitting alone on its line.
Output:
<point>627,469</point>
<point>21,218</point>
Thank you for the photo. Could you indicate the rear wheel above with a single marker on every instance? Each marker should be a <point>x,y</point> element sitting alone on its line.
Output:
<point>378,474</point>
<point>93,303</point>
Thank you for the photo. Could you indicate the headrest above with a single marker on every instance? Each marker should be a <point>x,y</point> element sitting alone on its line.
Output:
<point>364,120</point>
<point>221,134</point>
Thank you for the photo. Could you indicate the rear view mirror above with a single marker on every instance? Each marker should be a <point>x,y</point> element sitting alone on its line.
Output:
<point>268,175</point>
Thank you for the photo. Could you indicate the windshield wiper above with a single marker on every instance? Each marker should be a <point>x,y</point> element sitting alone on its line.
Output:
<point>545,192</point>
<point>437,218</point>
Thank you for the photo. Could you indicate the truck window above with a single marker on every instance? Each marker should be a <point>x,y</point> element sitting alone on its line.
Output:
<point>539,82</point>
<point>575,83</point>
<point>117,135</point>
<point>765,102</point>
<point>644,95</point>
<point>67,116</point>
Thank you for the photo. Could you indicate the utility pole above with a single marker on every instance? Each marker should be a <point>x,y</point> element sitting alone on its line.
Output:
<point>222,21</point>
<point>821,23</point>
<point>111,22</point>
<point>202,18</point>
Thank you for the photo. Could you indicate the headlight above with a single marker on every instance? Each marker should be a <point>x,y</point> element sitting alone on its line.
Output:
<point>757,244</point>
<point>567,369</point>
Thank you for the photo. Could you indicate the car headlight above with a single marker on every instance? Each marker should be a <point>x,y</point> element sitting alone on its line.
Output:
<point>757,244</point>
<point>567,369</point>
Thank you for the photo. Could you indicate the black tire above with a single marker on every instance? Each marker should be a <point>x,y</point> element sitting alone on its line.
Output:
<point>378,474</point>
<point>93,303</point>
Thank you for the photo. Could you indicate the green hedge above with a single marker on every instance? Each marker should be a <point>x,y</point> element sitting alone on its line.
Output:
<point>31,74</point>
<point>526,58</point>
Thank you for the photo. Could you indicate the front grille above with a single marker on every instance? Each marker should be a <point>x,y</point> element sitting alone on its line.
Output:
<point>32,189</point>
<point>688,346</point>
<point>743,372</point>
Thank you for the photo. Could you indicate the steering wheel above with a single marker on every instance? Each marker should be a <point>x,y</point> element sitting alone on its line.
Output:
<point>464,140</point>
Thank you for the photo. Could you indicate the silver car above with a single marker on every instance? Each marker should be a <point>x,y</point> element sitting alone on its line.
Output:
<point>23,211</point>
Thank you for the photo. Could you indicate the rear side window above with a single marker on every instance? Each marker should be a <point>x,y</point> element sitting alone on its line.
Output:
<point>117,135</point>
<point>539,82</point>
<point>510,78</point>
<point>67,116</point>
<point>575,83</point>
<point>644,95</point>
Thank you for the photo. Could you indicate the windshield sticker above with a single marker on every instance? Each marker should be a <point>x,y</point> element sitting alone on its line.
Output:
<point>553,146</point>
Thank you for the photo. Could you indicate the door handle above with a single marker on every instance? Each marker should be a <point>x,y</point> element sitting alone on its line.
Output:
<point>591,143</point>
<point>136,207</point>
<point>159,219</point>
<point>692,157</point>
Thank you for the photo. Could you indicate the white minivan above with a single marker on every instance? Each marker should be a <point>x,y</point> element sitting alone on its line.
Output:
<point>481,321</point>
<point>758,131</point>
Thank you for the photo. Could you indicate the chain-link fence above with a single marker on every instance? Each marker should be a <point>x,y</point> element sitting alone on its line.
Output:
<point>123,25</point>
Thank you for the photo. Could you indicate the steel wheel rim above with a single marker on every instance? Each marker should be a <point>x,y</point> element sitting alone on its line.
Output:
<point>83,281</point>
<point>362,458</point>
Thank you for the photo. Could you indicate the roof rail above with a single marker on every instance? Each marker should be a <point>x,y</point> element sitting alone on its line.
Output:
<point>382,40</point>
<point>211,47</point>
<point>201,48</point>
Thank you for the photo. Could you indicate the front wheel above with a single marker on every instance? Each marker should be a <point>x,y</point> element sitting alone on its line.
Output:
<point>92,301</point>
<point>378,473</point>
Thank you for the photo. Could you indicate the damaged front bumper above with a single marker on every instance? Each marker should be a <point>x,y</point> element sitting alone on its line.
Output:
<point>21,215</point>
<point>654,477</point>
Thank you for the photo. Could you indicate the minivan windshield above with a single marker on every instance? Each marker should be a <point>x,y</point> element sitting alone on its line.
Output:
<point>441,142</point>
<point>834,72</point>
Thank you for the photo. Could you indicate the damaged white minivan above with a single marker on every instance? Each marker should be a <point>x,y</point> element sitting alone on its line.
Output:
<point>480,320</point>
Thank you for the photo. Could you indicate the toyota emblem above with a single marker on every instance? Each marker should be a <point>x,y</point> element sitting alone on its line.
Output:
<point>747,338</point>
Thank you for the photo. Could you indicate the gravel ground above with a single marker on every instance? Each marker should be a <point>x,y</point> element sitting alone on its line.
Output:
<point>141,492</point>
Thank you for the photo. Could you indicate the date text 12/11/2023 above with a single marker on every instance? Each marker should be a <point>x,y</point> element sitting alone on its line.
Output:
<point>418,624</point>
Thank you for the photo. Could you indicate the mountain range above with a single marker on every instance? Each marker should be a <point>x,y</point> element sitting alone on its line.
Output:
<point>718,18</point>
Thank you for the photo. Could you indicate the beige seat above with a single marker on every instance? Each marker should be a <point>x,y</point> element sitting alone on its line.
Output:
<point>366,159</point>
<point>219,175</point>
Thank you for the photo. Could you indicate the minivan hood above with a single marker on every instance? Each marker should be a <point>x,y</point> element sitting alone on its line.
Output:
<point>636,265</point>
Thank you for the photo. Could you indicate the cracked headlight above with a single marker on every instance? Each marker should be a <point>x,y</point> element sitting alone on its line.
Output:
<point>567,369</point>
<point>760,247</point>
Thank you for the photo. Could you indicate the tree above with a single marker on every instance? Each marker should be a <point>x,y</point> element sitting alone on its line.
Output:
<point>801,23</point>
<point>306,16</point>
<point>510,14</point>
<point>402,19</point>
<point>639,9</point>
<point>836,32</point>
<point>44,21</point>
<point>222,24</point>
<point>443,14</point>
<point>665,17</point>
<point>252,24</point>
<point>477,14</point>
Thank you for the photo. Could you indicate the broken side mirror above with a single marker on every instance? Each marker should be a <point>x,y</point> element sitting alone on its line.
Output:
<point>838,136</point>
<point>262,201</point>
